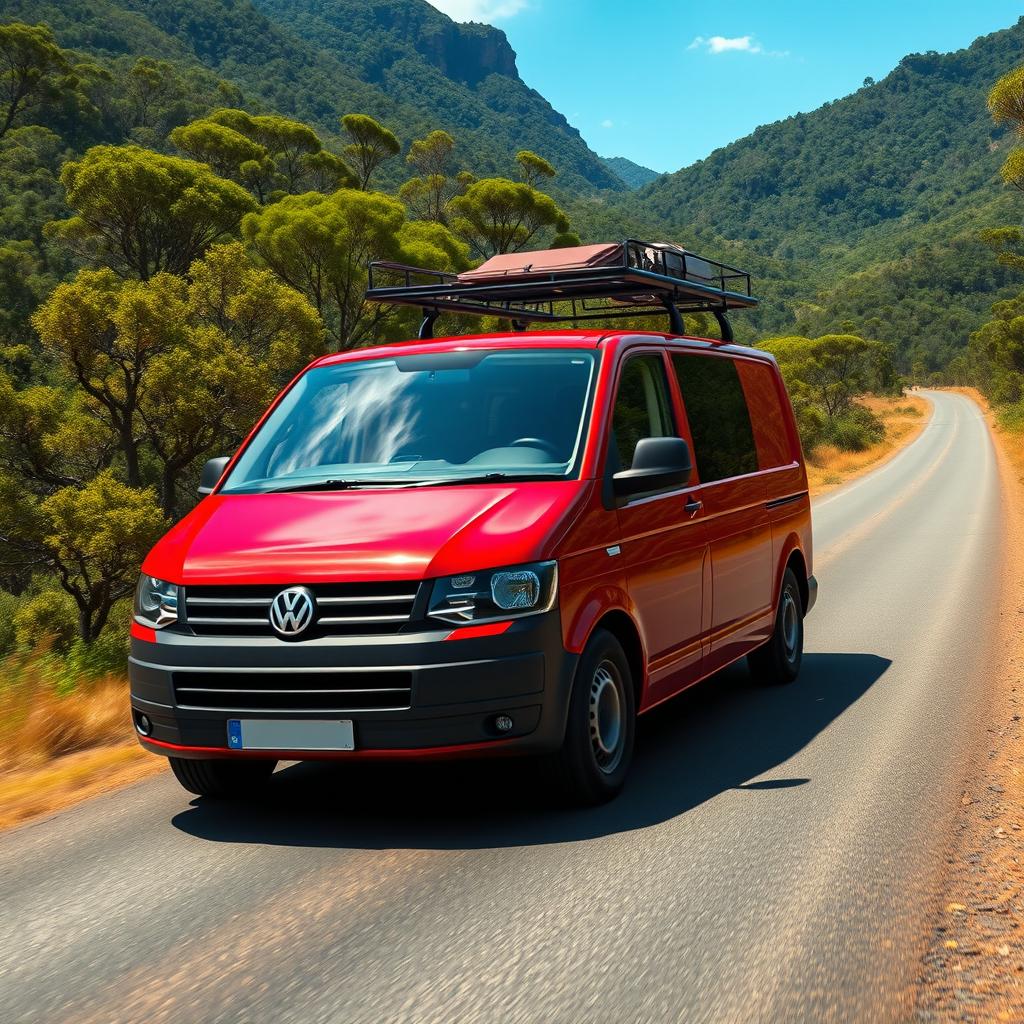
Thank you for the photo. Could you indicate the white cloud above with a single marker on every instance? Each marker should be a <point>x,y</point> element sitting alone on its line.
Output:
<point>479,10</point>
<point>607,123</point>
<point>733,44</point>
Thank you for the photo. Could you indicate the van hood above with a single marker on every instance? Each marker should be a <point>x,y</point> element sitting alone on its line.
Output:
<point>385,534</point>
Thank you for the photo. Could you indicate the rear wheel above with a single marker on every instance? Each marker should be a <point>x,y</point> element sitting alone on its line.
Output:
<point>778,661</point>
<point>601,727</point>
<point>221,778</point>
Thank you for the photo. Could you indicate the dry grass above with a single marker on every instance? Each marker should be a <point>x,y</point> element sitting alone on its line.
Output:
<point>37,725</point>
<point>58,749</point>
<point>904,418</point>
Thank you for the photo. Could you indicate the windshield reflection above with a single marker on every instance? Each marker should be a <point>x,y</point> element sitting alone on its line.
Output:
<point>424,419</point>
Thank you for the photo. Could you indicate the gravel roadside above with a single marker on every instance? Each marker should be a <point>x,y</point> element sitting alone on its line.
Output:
<point>974,968</point>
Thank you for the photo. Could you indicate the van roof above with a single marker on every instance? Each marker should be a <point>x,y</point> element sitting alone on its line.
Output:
<point>582,339</point>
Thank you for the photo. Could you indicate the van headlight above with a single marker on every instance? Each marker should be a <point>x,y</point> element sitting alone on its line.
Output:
<point>495,593</point>
<point>156,602</point>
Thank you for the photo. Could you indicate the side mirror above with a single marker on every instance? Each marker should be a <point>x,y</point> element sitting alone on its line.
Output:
<point>212,472</point>
<point>659,463</point>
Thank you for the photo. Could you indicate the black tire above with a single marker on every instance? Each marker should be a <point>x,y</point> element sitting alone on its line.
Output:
<point>222,779</point>
<point>778,661</point>
<point>601,728</point>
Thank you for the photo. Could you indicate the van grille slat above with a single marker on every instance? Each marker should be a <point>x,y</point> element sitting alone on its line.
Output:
<point>367,608</point>
<point>344,620</point>
<point>342,691</point>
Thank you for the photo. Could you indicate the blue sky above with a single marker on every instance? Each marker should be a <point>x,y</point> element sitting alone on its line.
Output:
<point>664,82</point>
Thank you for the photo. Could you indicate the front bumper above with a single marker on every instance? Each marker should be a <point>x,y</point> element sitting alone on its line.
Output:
<point>458,687</point>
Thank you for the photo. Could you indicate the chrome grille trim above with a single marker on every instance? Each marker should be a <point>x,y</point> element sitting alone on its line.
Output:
<point>365,608</point>
<point>205,620</point>
<point>345,620</point>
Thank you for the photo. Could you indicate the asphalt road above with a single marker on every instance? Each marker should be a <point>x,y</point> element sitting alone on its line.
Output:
<point>774,857</point>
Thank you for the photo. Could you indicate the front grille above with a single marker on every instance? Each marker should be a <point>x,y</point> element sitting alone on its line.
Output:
<point>343,609</point>
<point>294,691</point>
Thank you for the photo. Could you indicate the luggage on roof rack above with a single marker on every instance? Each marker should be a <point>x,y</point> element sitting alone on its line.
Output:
<point>584,282</point>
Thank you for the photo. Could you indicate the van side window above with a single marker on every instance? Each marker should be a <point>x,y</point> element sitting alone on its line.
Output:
<point>723,439</point>
<point>642,407</point>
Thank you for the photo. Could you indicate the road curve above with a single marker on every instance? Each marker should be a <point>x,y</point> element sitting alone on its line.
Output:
<point>774,857</point>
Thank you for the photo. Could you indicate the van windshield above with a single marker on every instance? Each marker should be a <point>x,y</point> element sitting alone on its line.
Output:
<point>424,420</point>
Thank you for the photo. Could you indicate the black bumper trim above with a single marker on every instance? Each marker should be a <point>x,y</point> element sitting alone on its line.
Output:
<point>457,688</point>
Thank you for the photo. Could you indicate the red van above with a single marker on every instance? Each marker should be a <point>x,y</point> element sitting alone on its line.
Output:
<point>485,545</point>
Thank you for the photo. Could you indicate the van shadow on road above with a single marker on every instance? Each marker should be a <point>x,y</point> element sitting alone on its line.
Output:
<point>717,737</point>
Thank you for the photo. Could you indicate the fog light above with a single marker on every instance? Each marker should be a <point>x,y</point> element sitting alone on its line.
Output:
<point>503,723</point>
<point>143,724</point>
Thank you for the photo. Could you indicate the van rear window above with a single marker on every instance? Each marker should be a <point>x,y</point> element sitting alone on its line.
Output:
<point>775,442</point>
<point>723,439</point>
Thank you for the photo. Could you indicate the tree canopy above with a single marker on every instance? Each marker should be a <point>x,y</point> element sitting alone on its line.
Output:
<point>321,246</point>
<point>33,70</point>
<point>496,215</point>
<point>371,145</point>
<point>142,213</point>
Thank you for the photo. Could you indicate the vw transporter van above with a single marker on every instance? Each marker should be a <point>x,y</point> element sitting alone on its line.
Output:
<point>503,544</point>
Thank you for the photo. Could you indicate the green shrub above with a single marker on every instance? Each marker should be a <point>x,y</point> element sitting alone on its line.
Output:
<point>1011,417</point>
<point>811,423</point>
<point>48,617</point>
<point>856,429</point>
<point>107,655</point>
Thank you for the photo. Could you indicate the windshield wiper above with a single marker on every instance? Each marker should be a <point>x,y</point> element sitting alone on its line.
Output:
<point>341,485</point>
<point>488,478</point>
<point>440,481</point>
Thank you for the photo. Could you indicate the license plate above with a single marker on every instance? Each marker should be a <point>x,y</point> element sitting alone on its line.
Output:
<point>276,734</point>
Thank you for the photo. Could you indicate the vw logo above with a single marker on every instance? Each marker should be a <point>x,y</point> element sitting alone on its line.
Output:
<point>292,611</point>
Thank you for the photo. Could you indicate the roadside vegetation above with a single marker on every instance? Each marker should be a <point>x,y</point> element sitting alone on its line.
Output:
<point>900,419</point>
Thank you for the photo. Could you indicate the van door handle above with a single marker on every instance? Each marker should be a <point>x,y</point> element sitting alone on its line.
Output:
<point>693,506</point>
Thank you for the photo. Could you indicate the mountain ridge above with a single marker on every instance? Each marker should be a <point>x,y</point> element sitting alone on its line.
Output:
<point>318,59</point>
<point>633,174</point>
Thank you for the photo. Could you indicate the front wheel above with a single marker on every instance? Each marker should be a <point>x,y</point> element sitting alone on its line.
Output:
<point>221,778</point>
<point>601,727</point>
<point>778,661</point>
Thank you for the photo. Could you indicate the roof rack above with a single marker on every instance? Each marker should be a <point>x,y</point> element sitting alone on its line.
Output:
<point>629,278</point>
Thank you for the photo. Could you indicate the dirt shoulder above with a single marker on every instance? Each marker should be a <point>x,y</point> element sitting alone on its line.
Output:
<point>35,793</point>
<point>974,968</point>
<point>904,418</point>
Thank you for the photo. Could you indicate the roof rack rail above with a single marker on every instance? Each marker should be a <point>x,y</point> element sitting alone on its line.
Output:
<point>588,282</point>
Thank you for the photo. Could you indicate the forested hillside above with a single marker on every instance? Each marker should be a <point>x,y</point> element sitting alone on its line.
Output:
<point>400,61</point>
<point>867,175</point>
<point>866,210</point>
